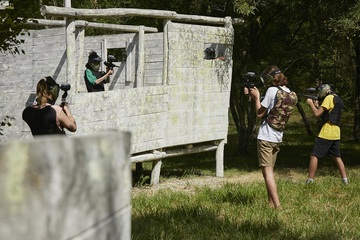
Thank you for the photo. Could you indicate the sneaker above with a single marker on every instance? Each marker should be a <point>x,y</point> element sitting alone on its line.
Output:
<point>309,181</point>
<point>345,182</point>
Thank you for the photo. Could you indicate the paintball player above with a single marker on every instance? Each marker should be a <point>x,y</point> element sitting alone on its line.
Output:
<point>328,139</point>
<point>44,117</point>
<point>95,79</point>
<point>274,110</point>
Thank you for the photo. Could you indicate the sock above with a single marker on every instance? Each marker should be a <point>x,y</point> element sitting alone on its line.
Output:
<point>309,180</point>
<point>345,180</point>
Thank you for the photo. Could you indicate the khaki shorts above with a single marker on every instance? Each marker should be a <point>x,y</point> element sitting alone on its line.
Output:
<point>267,153</point>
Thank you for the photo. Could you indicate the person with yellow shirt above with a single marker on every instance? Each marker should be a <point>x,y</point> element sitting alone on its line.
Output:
<point>328,139</point>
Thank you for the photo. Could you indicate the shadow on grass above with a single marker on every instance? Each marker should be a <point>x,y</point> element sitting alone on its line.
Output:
<point>216,214</point>
<point>197,222</point>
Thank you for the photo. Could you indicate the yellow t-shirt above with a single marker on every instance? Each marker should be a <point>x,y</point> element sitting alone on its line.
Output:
<point>329,130</point>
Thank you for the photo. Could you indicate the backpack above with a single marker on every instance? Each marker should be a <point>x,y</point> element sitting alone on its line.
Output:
<point>279,115</point>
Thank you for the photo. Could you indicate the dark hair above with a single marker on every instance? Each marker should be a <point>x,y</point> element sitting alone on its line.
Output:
<point>275,76</point>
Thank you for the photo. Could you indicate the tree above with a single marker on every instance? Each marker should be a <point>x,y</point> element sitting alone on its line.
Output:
<point>297,37</point>
<point>347,28</point>
<point>12,23</point>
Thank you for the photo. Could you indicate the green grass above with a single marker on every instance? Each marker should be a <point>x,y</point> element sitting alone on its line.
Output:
<point>324,210</point>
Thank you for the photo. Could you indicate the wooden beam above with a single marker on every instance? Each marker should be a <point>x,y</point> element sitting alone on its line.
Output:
<point>199,19</point>
<point>131,12</point>
<point>110,12</point>
<point>70,50</point>
<point>86,24</point>
<point>173,153</point>
<point>141,58</point>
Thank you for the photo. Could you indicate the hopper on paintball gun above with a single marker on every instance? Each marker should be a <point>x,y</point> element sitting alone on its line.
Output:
<point>65,87</point>
<point>109,62</point>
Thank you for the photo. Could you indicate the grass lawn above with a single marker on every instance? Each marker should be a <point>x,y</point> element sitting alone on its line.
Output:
<point>237,207</point>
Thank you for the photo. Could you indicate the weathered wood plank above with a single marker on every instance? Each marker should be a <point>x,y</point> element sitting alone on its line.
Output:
<point>132,12</point>
<point>85,24</point>
<point>112,12</point>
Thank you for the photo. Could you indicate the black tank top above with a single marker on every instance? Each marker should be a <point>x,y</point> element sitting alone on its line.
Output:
<point>41,121</point>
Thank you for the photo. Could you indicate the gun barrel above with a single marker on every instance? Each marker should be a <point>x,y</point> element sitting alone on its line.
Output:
<point>249,84</point>
<point>110,65</point>
<point>309,96</point>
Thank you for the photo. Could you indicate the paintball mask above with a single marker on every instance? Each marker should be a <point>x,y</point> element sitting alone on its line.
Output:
<point>267,78</point>
<point>323,90</point>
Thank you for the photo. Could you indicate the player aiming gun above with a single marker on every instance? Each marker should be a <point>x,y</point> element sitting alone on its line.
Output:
<point>109,62</point>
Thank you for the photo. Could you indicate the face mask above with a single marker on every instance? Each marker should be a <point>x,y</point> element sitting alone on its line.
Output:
<point>95,66</point>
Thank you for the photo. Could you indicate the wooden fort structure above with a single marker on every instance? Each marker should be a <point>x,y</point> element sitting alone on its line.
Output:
<point>166,91</point>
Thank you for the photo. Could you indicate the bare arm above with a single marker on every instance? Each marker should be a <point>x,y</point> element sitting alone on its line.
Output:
<point>103,78</point>
<point>255,95</point>
<point>67,120</point>
<point>316,111</point>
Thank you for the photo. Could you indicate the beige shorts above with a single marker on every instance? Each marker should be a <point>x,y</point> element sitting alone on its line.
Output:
<point>267,153</point>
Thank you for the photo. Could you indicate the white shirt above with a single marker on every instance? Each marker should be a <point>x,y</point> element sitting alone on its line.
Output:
<point>266,132</point>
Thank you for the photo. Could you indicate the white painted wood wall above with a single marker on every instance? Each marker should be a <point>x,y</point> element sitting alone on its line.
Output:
<point>184,98</point>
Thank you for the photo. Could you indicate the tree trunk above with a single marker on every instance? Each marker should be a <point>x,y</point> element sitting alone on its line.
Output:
<point>243,113</point>
<point>356,130</point>
<point>305,119</point>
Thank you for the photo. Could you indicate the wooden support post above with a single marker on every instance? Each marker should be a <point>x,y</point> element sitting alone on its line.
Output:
<point>166,53</point>
<point>129,52</point>
<point>220,159</point>
<point>70,49</point>
<point>104,58</point>
<point>141,58</point>
<point>155,173</point>
<point>81,41</point>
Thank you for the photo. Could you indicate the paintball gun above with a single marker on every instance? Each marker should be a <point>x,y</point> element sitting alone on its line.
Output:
<point>312,91</point>
<point>65,87</point>
<point>249,80</point>
<point>109,62</point>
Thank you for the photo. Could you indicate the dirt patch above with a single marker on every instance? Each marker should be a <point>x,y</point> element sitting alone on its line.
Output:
<point>190,184</point>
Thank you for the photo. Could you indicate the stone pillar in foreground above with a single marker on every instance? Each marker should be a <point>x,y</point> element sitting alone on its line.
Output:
<point>66,187</point>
